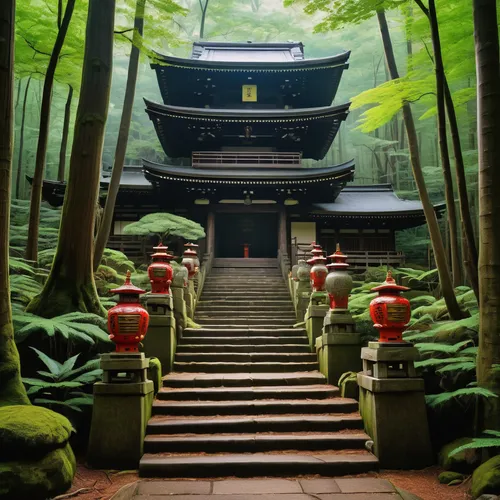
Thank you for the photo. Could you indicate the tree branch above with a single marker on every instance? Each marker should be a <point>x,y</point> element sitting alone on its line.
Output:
<point>123,31</point>
<point>423,95</point>
<point>423,8</point>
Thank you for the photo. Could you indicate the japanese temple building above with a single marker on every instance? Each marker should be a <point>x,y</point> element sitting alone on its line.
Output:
<point>236,122</point>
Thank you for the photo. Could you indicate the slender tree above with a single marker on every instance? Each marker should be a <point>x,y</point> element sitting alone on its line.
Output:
<point>430,214</point>
<point>65,133</point>
<point>488,104</point>
<point>43,137</point>
<point>12,390</point>
<point>21,140</point>
<point>203,8</point>
<point>445,101</point>
<point>121,145</point>
<point>70,285</point>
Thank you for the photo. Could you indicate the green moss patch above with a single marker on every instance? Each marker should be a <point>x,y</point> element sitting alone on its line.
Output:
<point>449,477</point>
<point>465,461</point>
<point>31,431</point>
<point>486,478</point>
<point>38,480</point>
<point>154,373</point>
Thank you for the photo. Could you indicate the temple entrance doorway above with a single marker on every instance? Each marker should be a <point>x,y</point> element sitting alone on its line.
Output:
<point>252,235</point>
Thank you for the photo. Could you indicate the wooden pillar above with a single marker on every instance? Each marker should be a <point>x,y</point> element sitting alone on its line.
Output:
<point>282,233</point>
<point>210,233</point>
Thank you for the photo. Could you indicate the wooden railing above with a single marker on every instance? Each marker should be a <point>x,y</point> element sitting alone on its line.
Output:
<point>202,159</point>
<point>357,258</point>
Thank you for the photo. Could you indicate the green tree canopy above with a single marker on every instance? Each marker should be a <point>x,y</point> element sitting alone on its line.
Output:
<point>166,225</point>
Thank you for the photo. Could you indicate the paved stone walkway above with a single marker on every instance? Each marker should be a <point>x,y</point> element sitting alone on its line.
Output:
<point>265,489</point>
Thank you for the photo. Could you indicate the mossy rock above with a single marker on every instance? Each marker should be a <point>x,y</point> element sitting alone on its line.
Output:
<point>376,274</point>
<point>31,431</point>
<point>348,385</point>
<point>448,477</point>
<point>486,478</point>
<point>38,479</point>
<point>154,373</point>
<point>465,461</point>
<point>118,261</point>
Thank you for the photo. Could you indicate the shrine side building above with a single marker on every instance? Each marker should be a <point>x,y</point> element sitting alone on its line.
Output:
<point>236,122</point>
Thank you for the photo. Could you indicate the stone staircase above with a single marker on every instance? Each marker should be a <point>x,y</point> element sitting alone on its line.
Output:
<point>246,397</point>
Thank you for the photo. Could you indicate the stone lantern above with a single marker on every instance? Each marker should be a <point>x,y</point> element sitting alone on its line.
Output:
<point>390,312</point>
<point>190,260</point>
<point>160,272</point>
<point>338,281</point>
<point>128,320</point>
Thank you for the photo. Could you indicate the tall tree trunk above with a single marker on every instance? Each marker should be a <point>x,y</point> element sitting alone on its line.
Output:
<point>12,390</point>
<point>203,7</point>
<point>430,214</point>
<point>121,145</point>
<point>65,134</point>
<point>21,141</point>
<point>70,285</point>
<point>488,108</point>
<point>43,136</point>
<point>447,100</point>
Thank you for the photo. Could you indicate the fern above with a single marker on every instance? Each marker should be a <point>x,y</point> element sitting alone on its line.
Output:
<point>437,400</point>
<point>84,327</point>
<point>444,348</point>
<point>440,361</point>
<point>462,366</point>
<point>483,442</point>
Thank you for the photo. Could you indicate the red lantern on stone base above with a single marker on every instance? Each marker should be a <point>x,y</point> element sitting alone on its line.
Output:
<point>128,321</point>
<point>190,259</point>
<point>319,270</point>
<point>390,312</point>
<point>160,272</point>
<point>338,281</point>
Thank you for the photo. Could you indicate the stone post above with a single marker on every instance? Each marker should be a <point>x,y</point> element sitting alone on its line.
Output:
<point>392,404</point>
<point>161,340</point>
<point>302,290</point>
<point>179,284</point>
<point>339,347</point>
<point>122,408</point>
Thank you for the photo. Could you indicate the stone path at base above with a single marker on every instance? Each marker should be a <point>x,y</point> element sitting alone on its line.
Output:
<point>265,489</point>
<point>246,398</point>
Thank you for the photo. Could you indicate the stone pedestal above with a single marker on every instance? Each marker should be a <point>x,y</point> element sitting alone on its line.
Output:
<point>392,405</point>
<point>122,408</point>
<point>302,296</point>
<point>189,298</point>
<point>314,318</point>
<point>179,283</point>
<point>161,339</point>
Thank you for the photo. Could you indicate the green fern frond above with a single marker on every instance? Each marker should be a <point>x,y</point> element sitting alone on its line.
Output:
<point>465,366</point>
<point>477,443</point>
<point>436,400</point>
<point>438,347</point>
<point>440,361</point>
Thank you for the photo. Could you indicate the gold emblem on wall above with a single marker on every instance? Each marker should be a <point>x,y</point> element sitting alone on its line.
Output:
<point>249,93</point>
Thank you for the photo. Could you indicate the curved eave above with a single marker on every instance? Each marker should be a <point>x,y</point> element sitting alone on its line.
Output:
<point>252,66</point>
<point>341,173</point>
<point>248,115</point>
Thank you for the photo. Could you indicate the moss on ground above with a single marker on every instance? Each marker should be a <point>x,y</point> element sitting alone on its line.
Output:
<point>465,461</point>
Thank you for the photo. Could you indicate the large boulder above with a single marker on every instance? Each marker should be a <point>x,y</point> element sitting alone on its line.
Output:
<point>465,461</point>
<point>36,460</point>
<point>486,478</point>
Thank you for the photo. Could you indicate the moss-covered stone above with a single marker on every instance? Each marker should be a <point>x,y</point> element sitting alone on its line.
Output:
<point>448,477</point>
<point>191,324</point>
<point>38,479</point>
<point>118,261</point>
<point>486,478</point>
<point>465,461</point>
<point>31,431</point>
<point>154,373</point>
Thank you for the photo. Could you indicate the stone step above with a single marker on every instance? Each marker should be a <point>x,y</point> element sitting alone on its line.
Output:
<point>255,407</point>
<point>270,272</point>
<point>254,443</point>
<point>232,302</point>
<point>242,357</point>
<point>243,379</point>
<point>243,332</point>
<point>206,306</point>
<point>245,341</point>
<point>267,367</point>
<point>254,424</point>
<point>258,464</point>
<point>246,280</point>
<point>245,262</point>
<point>235,348</point>
<point>322,391</point>
<point>246,321</point>
<point>207,313</point>
<point>244,294</point>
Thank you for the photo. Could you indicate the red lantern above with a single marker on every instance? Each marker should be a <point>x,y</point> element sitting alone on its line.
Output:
<point>338,281</point>
<point>160,272</point>
<point>190,259</point>
<point>128,320</point>
<point>389,311</point>
<point>318,271</point>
